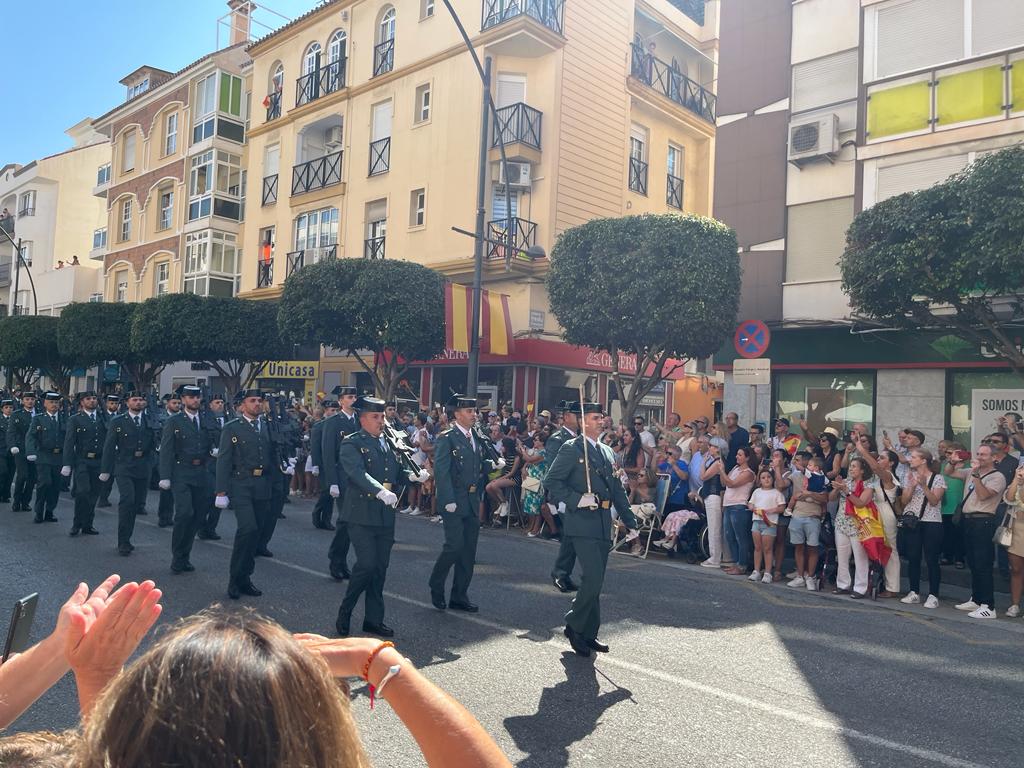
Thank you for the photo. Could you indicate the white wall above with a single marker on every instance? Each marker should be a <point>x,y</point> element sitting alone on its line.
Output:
<point>911,398</point>
<point>821,27</point>
<point>817,300</point>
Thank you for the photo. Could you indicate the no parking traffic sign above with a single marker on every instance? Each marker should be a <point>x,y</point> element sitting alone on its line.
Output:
<point>752,339</point>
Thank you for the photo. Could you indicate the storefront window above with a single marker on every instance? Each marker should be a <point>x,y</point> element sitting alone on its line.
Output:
<point>651,407</point>
<point>556,386</point>
<point>837,400</point>
<point>495,383</point>
<point>961,395</point>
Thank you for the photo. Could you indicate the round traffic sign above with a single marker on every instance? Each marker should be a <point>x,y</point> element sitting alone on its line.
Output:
<point>752,339</point>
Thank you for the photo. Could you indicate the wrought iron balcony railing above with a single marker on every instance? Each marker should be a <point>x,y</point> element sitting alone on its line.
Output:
<point>380,156</point>
<point>316,174</point>
<point>273,102</point>
<point>269,194</point>
<point>550,13</point>
<point>383,57</point>
<point>674,191</point>
<point>320,82</point>
<point>510,238</point>
<point>518,123</point>
<point>373,247</point>
<point>638,175</point>
<point>299,259</point>
<point>670,82</point>
<point>265,274</point>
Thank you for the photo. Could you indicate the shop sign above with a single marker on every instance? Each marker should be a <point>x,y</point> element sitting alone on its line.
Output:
<point>656,397</point>
<point>756,371</point>
<point>988,406</point>
<point>291,369</point>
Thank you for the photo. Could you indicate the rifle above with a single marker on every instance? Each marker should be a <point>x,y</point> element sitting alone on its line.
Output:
<point>489,452</point>
<point>400,448</point>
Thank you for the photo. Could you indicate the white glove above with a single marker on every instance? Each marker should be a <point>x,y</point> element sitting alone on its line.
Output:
<point>289,469</point>
<point>292,461</point>
<point>450,507</point>
<point>501,463</point>
<point>221,502</point>
<point>165,485</point>
<point>31,457</point>
<point>424,476</point>
<point>316,471</point>
<point>65,471</point>
<point>387,497</point>
<point>104,476</point>
<point>214,452</point>
<point>15,450</point>
<point>587,501</point>
<point>335,491</point>
<point>561,507</point>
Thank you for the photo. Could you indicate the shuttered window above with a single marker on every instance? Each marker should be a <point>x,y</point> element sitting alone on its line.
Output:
<point>511,90</point>
<point>996,25</point>
<point>815,239</point>
<point>917,34</point>
<point>827,80</point>
<point>911,177</point>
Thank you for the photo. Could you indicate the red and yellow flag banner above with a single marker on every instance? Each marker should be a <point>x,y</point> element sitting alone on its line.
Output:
<point>495,320</point>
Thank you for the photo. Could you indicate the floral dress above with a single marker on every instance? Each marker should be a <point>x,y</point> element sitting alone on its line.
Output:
<point>533,499</point>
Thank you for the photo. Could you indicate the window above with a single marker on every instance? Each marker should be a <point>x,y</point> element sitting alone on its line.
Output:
<point>376,229</point>
<point>638,160</point>
<point>166,215</point>
<point>241,196</point>
<point>126,220</point>
<point>121,281</point>
<point>128,152</point>
<point>384,51</point>
<point>336,46</point>
<point>422,109</point>
<point>27,206</point>
<point>203,109</point>
<point>311,61</point>
<point>511,89</point>
<point>316,229</point>
<point>171,134</point>
<point>816,237</point>
<point>211,263</point>
<point>26,252</point>
<point>277,79</point>
<point>426,9</point>
<point>380,139</point>
<point>961,387</point>
<point>200,185</point>
<point>417,208</point>
<point>140,87</point>
<point>161,278</point>
<point>675,161</point>
<point>103,175</point>
<point>230,94</point>
<point>828,80</point>
<point>674,184</point>
<point>916,34</point>
<point>386,30</point>
<point>837,400</point>
<point>99,238</point>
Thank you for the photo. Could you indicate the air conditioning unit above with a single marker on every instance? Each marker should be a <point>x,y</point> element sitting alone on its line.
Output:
<point>518,175</point>
<point>810,139</point>
<point>332,137</point>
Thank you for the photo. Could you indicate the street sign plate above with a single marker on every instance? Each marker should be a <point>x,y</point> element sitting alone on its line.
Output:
<point>758,371</point>
<point>752,338</point>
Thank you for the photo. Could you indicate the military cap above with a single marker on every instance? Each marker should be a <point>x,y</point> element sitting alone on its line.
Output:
<point>134,393</point>
<point>85,394</point>
<point>588,407</point>
<point>249,393</point>
<point>339,391</point>
<point>570,406</point>
<point>366,404</point>
<point>330,404</point>
<point>5,403</point>
<point>52,396</point>
<point>217,396</point>
<point>171,396</point>
<point>189,389</point>
<point>461,401</point>
<point>113,398</point>
<point>22,395</point>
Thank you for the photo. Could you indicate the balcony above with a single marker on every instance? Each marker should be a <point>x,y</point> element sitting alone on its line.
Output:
<point>102,181</point>
<point>99,244</point>
<point>502,246</point>
<point>380,156</point>
<point>638,175</point>
<point>317,173</point>
<point>518,129</point>
<point>671,83</point>
<point>674,191</point>
<point>549,13</point>
<point>373,248</point>
<point>268,196</point>
<point>265,274</point>
<point>273,104</point>
<point>299,259</point>
<point>384,57</point>
<point>320,82</point>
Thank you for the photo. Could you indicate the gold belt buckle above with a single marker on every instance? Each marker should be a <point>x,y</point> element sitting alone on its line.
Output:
<point>138,454</point>
<point>257,472</point>
<point>57,451</point>
<point>472,489</point>
<point>196,462</point>
<point>606,505</point>
<point>386,486</point>
<point>90,455</point>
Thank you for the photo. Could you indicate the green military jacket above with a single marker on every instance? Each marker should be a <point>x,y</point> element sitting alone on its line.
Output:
<point>4,423</point>
<point>368,468</point>
<point>460,472</point>
<point>558,438</point>
<point>185,449</point>
<point>45,439</point>
<point>245,459</point>
<point>566,482</point>
<point>128,450</point>
<point>17,427</point>
<point>335,429</point>
<point>83,442</point>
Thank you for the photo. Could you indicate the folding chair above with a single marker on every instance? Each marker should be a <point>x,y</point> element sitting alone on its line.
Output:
<point>648,516</point>
<point>515,505</point>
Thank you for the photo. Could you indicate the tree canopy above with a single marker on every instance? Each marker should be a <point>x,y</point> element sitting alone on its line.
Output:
<point>946,258</point>
<point>392,309</point>
<point>661,287</point>
<point>28,343</point>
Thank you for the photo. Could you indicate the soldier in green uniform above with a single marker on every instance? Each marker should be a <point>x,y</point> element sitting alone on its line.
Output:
<point>213,421</point>
<point>243,481</point>
<point>128,454</point>
<point>108,414</point>
<point>561,574</point>
<point>587,520</point>
<point>83,448</point>
<point>185,450</point>
<point>324,508</point>
<point>24,470</point>
<point>165,510</point>
<point>344,423</point>
<point>44,448</point>
<point>460,475</point>
<point>6,459</point>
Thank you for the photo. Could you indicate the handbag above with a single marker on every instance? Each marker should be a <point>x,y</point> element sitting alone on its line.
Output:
<point>908,520</point>
<point>531,484</point>
<point>1004,533</point>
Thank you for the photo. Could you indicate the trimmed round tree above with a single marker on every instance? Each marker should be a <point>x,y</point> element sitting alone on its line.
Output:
<point>28,346</point>
<point>663,288</point>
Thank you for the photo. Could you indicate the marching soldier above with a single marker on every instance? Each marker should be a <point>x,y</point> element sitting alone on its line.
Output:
<point>113,405</point>
<point>128,453</point>
<point>460,474</point>
<point>24,470</point>
<point>214,419</point>
<point>324,508</point>
<point>344,423</point>
<point>276,470</point>
<point>372,476</point>
<point>587,520</point>
<point>83,446</point>
<point>243,481</point>
<point>44,447</point>
<point>165,512</point>
<point>6,459</point>
<point>185,449</point>
<point>561,574</point>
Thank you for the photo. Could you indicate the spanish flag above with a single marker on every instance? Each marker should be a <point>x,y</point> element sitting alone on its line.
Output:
<point>495,320</point>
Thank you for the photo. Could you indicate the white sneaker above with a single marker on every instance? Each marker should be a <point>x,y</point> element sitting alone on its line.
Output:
<point>503,509</point>
<point>405,511</point>
<point>970,605</point>
<point>911,599</point>
<point>754,576</point>
<point>1013,612</point>
<point>766,579</point>
<point>417,512</point>
<point>931,602</point>
<point>792,575</point>
<point>812,585</point>
<point>709,564</point>
<point>983,612</point>
<point>796,581</point>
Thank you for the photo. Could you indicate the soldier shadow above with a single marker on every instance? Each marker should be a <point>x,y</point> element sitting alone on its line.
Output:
<point>567,712</point>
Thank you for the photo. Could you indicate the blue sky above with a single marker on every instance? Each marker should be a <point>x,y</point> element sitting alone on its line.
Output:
<point>65,58</point>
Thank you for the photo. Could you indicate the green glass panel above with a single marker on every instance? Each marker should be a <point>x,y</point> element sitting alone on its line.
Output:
<point>236,96</point>
<point>902,109</point>
<point>225,92</point>
<point>1017,86</point>
<point>969,95</point>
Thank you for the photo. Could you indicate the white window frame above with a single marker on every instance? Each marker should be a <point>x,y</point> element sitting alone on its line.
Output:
<point>423,104</point>
<point>674,168</point>
<point>27,203</point>
<point>386,27</point>
<point>277,79</point>
<point>126,220</point>
<point>26,252</point>
<point>171,134</point>
<point>121,291</point>
<point>129,141</point>
<point>426,9</point>
<point>162,278</point>
<point>166,209</point>
<point>316,229</point>
<point>201,197</point>
<point>310,58</point>
<point>335,46</point>
<point>418,208</point>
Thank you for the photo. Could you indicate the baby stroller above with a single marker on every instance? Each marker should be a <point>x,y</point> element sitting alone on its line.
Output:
<point>828,558</point>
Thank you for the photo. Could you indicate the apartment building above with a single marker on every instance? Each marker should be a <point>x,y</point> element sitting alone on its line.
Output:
<point>364,143</point>
<point>827,107</point>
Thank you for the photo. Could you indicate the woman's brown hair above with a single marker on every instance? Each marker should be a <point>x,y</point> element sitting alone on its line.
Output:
<point>223,689</point>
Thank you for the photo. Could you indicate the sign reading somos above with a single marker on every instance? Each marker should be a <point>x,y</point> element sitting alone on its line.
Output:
<point>987,406</point>
<point>291,369</point>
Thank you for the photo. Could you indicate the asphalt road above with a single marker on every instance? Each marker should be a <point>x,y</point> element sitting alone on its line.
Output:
<point>705,669</point>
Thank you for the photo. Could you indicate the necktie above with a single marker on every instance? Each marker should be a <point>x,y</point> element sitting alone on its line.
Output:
<point>257,425</point>
<point>472,442</point>
<point>92,417</point>
<point>138,422</point>
<point>383,446</point>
